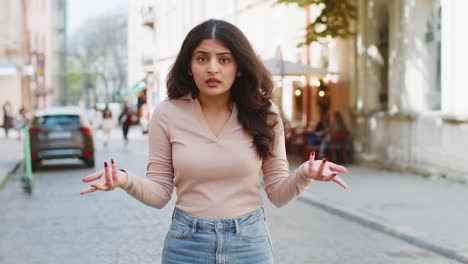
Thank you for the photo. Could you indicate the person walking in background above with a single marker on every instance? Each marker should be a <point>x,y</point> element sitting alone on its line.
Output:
<point>7,117</point>
<point>21,121</point>
<point>211,139</point>
<point>95,116</point>
<point>126,119</point>
<point>108,123</point>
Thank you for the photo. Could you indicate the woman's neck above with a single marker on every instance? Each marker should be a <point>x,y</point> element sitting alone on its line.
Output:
<point>218,103</point>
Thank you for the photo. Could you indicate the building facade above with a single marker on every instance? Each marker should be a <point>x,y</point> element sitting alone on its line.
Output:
<point>408,99</point>
<point>274,31</point>
<point>31,44</point>
<point>11,53</point>
<point>141,51</point>
<point>45,33</point>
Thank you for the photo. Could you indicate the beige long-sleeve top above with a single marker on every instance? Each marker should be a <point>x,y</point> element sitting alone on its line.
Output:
<point>216,177</point>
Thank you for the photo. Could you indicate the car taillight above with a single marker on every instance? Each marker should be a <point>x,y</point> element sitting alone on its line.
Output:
<point>85,129</point>
<point>87,153</point>
<point>33,156</point>
<point>34,131</point>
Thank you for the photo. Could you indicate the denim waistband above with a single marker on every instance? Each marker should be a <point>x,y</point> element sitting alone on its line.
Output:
<point>219,224</point>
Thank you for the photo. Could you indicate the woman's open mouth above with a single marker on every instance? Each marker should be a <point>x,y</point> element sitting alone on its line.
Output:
<point>212,82</point>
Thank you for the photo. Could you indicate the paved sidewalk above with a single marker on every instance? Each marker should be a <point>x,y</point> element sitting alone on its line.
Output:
<point>11,154</point>
<point>428,212</point>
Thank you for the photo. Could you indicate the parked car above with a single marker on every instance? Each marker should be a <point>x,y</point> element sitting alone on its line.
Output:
<point>61,132</point>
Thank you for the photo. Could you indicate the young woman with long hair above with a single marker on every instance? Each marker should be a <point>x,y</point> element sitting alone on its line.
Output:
<point>211,139</point>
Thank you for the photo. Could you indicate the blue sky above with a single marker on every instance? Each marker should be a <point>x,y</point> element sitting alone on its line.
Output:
<point>78,11</point>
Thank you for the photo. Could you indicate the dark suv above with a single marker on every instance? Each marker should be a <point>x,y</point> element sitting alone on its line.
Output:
<point>61,132</point>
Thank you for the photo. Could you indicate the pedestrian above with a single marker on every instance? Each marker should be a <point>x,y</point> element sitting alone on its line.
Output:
<point>95,117</point>
<point>211,139</point>
<point>108,123</point>
<point>126,119</point>
<point>20,121</point>
<point>7,117</point>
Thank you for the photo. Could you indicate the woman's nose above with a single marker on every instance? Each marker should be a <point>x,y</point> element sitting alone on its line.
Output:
<point>213,66</point>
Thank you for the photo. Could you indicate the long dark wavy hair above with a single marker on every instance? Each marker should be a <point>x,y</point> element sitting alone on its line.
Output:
<point>251,92</point>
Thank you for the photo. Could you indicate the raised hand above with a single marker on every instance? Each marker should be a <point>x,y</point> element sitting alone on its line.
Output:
<point>106,179</point>
<point>323,170</point>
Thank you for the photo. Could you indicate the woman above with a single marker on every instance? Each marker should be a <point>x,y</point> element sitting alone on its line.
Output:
<point>211,139</point>
<point>108,124</point>
<point>126,118</point>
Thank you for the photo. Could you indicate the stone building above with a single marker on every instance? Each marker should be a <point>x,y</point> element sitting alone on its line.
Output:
<point>408,98</point>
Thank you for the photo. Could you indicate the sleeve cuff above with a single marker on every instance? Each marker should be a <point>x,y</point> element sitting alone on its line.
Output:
<point>127,183</point>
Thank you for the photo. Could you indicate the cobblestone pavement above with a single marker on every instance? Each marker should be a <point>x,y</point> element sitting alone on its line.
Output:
<point>57,225</point>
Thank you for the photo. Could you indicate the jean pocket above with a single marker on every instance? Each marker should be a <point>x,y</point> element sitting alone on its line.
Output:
<point>180,231</point>
<point>255,232</point>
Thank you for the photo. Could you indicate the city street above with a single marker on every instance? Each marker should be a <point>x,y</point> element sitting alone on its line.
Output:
<point>58,225</point>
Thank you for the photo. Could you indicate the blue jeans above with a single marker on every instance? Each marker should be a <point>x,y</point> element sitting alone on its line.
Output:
<point>243,240</point>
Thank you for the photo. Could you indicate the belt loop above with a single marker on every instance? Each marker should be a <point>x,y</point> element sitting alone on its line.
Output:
<point>193,230</point>
<point>236,222</point>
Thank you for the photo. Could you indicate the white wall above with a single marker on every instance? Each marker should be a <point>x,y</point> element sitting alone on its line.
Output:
<point>411,135</point>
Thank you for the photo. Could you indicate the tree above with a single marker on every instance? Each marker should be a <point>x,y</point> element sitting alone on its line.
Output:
<point>335,19</point>
<point>100,48</point>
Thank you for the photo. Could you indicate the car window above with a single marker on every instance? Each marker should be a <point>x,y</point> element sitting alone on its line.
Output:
<point>59,121</point>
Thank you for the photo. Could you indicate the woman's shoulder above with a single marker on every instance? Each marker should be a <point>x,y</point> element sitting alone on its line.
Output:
<point>170,106</point>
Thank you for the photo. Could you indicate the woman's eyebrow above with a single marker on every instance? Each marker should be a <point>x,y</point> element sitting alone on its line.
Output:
<point>219,53</point>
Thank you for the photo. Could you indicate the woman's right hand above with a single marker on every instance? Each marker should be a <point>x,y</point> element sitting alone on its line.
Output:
<point>106,179</point>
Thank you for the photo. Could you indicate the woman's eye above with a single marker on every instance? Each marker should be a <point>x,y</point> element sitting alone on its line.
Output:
<point>201,59</point>
<point>224,60</point>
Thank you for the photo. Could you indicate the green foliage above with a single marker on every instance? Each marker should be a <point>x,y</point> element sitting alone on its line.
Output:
<point>335,19</point>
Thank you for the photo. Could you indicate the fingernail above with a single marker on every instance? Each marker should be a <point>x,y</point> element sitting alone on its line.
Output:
<point>324,160</point>
<point>105,164</point>
<point>312,153</point>
<point>112,160</point>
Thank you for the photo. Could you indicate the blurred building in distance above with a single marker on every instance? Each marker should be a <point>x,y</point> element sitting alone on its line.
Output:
<point>34,43</point>
<point>11,53</point>
<point>141,53</point>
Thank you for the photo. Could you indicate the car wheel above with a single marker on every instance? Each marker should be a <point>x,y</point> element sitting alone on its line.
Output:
<point>89,162</point>
<point>35,164</point>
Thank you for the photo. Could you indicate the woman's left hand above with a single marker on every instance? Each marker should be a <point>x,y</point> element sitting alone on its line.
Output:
<point>323,170</point>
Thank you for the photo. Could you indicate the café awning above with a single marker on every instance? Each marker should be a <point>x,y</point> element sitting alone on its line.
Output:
<point>280,67</point>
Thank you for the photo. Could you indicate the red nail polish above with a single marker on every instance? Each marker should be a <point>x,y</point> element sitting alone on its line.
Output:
<point>324,160</point>
<point>312,153</point>
<point>105,164</point>
<point>112,160</point>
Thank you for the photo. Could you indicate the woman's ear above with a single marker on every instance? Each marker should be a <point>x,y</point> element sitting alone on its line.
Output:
<point>238,74</point>
<point>189,72</point>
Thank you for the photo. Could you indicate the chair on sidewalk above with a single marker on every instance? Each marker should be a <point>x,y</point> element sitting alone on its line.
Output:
<point>338,147</point>
<point>295,140</point>
<point>312,144</point>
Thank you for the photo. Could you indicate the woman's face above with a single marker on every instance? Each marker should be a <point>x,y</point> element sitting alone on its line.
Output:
<point>214,68</point>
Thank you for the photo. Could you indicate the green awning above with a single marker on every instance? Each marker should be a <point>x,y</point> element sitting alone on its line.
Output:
<point>140,86</point>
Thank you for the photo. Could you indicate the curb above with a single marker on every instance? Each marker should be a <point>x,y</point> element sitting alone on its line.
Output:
<point>366,221</point>
<point>9,174</point>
